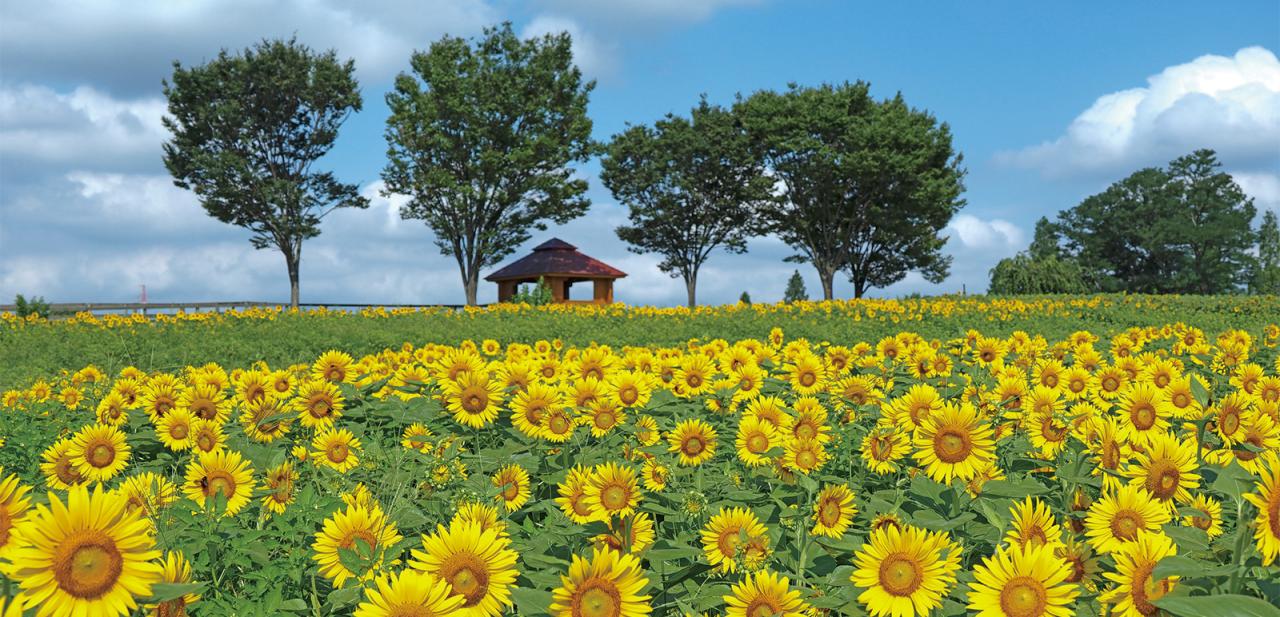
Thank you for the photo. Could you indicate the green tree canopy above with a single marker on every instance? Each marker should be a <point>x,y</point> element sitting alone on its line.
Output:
<point>1025,273</point>
<point>480,138</point>
<point>247,131</point>
<point>1184,229</point>
<point>691,185</point>
<point>795,289</point>
<point>1266,277</point>
<point>867,186</point>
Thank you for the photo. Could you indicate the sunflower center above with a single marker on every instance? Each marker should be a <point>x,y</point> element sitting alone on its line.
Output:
<point>605,419</point>
<point>474,400</point>
<point>613,497</point>
<point>728,542</point>
<point>1050,380</point>
<point>764,606</point>
<point>1273,508</point>
<point>1125,524</point>
<point>6,523</point>
<point>694,380</point>
<point>580,505</point>
<point>1143,416</point>
<point>1202,522</point>
<point>67,472</point>
<point>337,452</point>
<point>219,482</point>
<point>829,513</point>
<point>468,577</point>
<point>628,395</point>
<point>807,379</point>
<point>87,564</point>
<point>805,431</point>
<point>100,455</point>
<point>900,575</point>
<point>597,598</point>
<point>320,408</point>
<point>1051,431</point>
<point>179,431</point>
<point>558,424</point>
<point>510,490</point>
<point>1229,420</point>
<point>205,441</point>
<point>1035,536</point>
<point>1110,384</point>
<point>1162,479</point>
<point>334,373</point>
<point>1110,455</point>
<point>806,459</point>
<point>1023,596</point>
<point>1145,590</point>
<point>692,446</point>
<point>758,443</point>
<point>952,445</point>
<point>1247,455</point>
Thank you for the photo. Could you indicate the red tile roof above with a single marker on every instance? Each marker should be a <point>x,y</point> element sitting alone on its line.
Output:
<point>555,256</point>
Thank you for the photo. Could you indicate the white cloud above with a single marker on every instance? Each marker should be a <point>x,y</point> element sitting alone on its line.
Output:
<point>995,235</point>
<point>1229,104</point>
<point>596,58</point>
<point>1264,188</point>
<point>645,12</point>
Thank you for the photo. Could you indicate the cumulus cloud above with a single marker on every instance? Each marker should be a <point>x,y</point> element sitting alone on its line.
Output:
<point>645,12</point>
<point>995,235</point>
<point>596,58</point>
<point>1263,187</point>
<point>1230,104</point>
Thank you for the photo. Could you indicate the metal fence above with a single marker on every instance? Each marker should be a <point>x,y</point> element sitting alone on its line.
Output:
<point>69,308</point>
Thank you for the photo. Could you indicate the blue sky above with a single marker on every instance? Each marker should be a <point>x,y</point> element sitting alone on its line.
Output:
<point>1048,103</point>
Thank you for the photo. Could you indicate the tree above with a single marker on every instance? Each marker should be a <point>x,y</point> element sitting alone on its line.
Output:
<point>247,130</point>
<point>480,139</point>
<point>1046,241</point>
<point>1025,273</point>
<point>1185,229</point>
<point>745,298</point>
<point>691,186</point>
<point>1266,275</point>
<point>866,186</point>
<point>795,289</point>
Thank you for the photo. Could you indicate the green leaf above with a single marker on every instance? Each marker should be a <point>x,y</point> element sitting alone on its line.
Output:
<point>531,601</point>
<point>1180,565</point>
<point>163,592</point>
<point>1225,605</point>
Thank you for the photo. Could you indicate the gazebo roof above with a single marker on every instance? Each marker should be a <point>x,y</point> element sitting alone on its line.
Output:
<point>555,257</point>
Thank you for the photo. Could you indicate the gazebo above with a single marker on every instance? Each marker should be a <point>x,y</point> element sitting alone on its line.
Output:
<point>561,265</point>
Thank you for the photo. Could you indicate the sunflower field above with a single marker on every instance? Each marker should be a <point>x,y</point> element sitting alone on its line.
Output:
<point>1110,470</point>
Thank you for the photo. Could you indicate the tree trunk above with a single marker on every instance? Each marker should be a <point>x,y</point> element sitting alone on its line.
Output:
<point>828,280</point>
<point>471,282</point>
<point>859,287</point>
<point>291,259</point>
<point>691,286</point>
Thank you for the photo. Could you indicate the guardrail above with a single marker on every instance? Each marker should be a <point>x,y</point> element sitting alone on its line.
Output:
<point>68,308</point>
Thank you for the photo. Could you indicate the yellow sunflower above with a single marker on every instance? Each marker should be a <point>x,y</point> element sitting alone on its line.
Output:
<point>1022,581</point>
<point>953,443</point>
<point>59,468</point>
<point>99,452</point>
<point>807,374</point>
<point>224,473</point>
<point>765,593</point>
<point>630,534</point>
<point>1134,588</point>
<point>1033,525</point>
<point>573,496</point>
<point>207,436</point>
<point>364,531</point>
<point>730,532</point>
<point>1115,520</point>
<point>417,437</point>
<point>279,483</point>
<point>905,570</point>
<point>607,585</point>
<point>530,406</point>
<point>655,474</point>
<point>206,401</point>
<point>1141,414</point>
<point>612,490</point>
<point>482,514</point>
<point>333,366</point>
<point>694,440</point>
<point>1167,468</point>
<point>409,593</point>
<point>833,511</point>
<point>478,564</point>
<point>318,403</point>
<point>882,448</point>
<point>149,492</point>
<point>512,483</point>
<point>804,455</point>
<point>1207,516</point>
<point>472,398</point>
<point>1266,527</point>
<point>14,504</point>
<point>177,570</point>
<point>174,429</point>
<point>89,555</point>
<point>756,437</point>
<point>630,389</point>
<point>337,449</point>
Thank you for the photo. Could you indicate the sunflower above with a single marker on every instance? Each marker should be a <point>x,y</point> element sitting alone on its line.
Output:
<point>607,585</point>
<point>512,483</point>
<point>603,415</point>
<point>223,473</point>
<point>482,514</point>
<point>631,534</point>
<point>882,448</point>
<point>1266,527</point>
<point>655,475</point>
<point>530,406</point>
<point>646,431</point>
<point>207,402</point>
<point>833,511</point>
<point>694,440</point>
<point>905,570</point>
<point>1081,561</point>
<point>318,403</point>
<point>732,529</point>
<point>1048,433</point>
<point>88,556</point>
<point>478,564</point>
<point>953,443</point>
<point>207,436</point>
<point>1115,520</point>
<point>148,492</point>
<point>1141,415</point>
<point>337,449</point>
<point>417,437</point>
<point>161,395</point>
<point>811,421</point>
<point>1033,525</point>
<point>756,437</point>
<point>807,374</point>
<point>177,570</point>
<point>59,467</point>
<point>612,490</point>
<point>174,429</point>
<point>1207,516</point>
<point>279,481</point>
<point>765,593</point>
<point>472,398</point>
<point>573,496</point>
<point>99,452</point>
<point>409,593</point>
<point>265,419</point>
<point>1134,588</point>
<point>630,389</point>
<point>112,409</point>
<point>13,606</point>
<point>14,504</point>
<point>804,455</point>
<point>333,366</point>
<point>1167,469</point>
<point>364,531</point>
<point>1109,451</point>
<point>1022,581</point>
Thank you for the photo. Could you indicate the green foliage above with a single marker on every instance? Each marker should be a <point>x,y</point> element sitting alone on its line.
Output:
<point>867,185</point>
<point>1266,275</point>
<point>1026,274</point>
<point>1184,229</point>
<point>539,295</point>
<point>247,132</point>
<point>795,289</point>
<point>745,298</point>
<point>1047,240</point>
<point>35,306</point>
<point>691,185</point>
<point>480,138</point>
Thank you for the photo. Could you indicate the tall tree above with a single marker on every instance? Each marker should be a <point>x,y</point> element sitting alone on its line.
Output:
<point>795,291</point>
<point>1266,275</point>
<point>1046,241</point>
<point>480,138</point>
<point>867,186</point>
<point>691,185</point>
<point>248,129</point>
<point>1025,273</point>
<point>1184,229</point>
